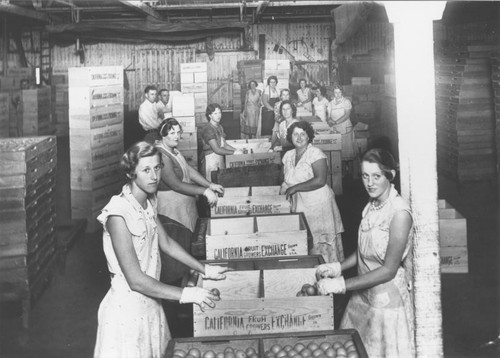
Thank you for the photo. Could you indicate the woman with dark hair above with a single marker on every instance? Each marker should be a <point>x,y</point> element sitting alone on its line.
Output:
<point>179,185</point>
<point>380,307</point>
<point>288,113</point>
<point>305,173</point>
<point>304,96</point>
<point>320,103</point>
<point>252,110</point>
<point>214,143</point>
<point>131,321</point>
<point>270,96</point>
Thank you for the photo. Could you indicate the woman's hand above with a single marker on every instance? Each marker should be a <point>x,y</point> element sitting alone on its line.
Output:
<point>331,270</point>
<point>290,191</point>
<point>211,197</point>
<point>331,285</point>
<point>216,188</point>
<point>199,296</point>
<point>215,272</point>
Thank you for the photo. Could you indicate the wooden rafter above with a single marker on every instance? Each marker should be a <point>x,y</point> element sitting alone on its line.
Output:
<point>40,16</point>
<point>143,8</point>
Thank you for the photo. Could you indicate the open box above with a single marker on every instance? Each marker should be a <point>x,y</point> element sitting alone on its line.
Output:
<point>263,300</point>
<point>252,236</point>
<point>241,201</point>
<point>262,343</point>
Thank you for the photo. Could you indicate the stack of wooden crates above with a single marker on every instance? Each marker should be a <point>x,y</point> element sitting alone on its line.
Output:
<point>194,80</point>
<point>96,139</point>
<point>28,216</point>
<point>465,114</point>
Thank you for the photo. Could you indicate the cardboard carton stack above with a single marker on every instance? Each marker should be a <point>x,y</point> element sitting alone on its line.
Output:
<point>96,138</point>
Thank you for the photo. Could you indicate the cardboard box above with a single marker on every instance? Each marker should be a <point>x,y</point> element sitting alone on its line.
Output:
<point>263,301</point>
<point>244,160</point>
<point>254,236</point>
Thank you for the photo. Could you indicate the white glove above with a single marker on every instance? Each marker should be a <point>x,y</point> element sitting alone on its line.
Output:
<point>216,188</point>
<point>278,148</point>
<point>211,196</point>
<point>332,270</point>
<point>214,272</point>
<point>283,188</point>
<point>331,285</point>
<point>270,150</point>
<point>237,152</point>
<point>198,296</point>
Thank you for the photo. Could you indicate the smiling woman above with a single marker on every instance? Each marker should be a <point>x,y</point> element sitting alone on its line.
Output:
<point>305,169</point>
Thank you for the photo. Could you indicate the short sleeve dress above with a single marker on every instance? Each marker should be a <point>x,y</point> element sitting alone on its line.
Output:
<point>131,324</point>
<point>210,160</point>
<point>337,108</point>
<point>319,206</point>
<point>383,315</point>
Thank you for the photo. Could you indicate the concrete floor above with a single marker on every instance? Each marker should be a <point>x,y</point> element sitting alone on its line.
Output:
<point>64,320</point>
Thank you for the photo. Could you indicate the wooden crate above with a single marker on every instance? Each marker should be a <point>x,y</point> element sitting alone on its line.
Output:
<point>328,141</point>
<point>83,99</point>
<point>89,139</point>
<point>251,145</point>
<point>335,171</point>
<point>189,141</point>
<point>245,160</point>
<point>97,117</point>
<point>98,157</point>
<point>27,217</point>
<point>261,343</point>
<point>452,239</point>
<point>252,201</point>
<point>183,105</point>
<point>95,76</point>
<point>259,301</point>
<point>252,237</point>
<point>259,175</point>
<point>83,178</point>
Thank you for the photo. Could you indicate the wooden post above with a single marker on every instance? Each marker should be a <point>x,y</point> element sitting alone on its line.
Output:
<point>414,67</point>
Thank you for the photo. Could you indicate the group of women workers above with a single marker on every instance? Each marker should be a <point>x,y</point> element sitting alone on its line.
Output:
<point>148,228</point>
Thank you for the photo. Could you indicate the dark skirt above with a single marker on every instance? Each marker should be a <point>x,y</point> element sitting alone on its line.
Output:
<point>172,271</point>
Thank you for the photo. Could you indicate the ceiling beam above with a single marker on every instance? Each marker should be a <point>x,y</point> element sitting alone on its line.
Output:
<point>143,8</point>
<point>32,14</point>
<point>237,4</point>
<point>260,10</point>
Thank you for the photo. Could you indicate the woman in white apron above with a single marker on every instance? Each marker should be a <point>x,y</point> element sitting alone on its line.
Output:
<point>304,96</point>
<point>179,186</point>
<point>214,143</point>
<point>339,113</point>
